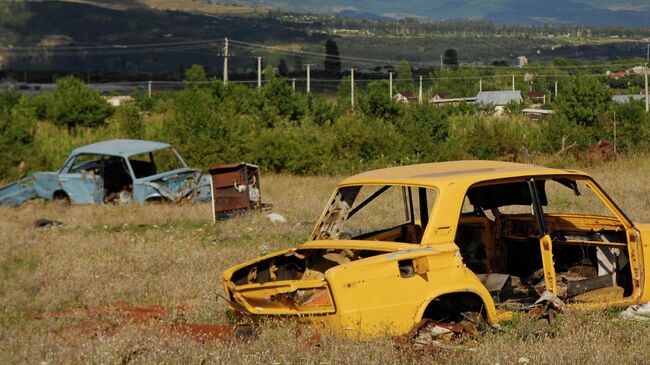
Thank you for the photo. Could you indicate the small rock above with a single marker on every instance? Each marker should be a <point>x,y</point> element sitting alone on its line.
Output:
<point>263,249</point>
<point>276,218</point>
<point>523,360</point>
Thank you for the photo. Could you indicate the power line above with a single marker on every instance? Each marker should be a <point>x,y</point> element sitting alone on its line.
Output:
<point>160,47</point>
<point>380,61</point>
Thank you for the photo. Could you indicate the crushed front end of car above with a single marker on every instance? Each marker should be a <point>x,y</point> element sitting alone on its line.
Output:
<point>177,186</point>
<point>289,282</point>
<point>18,192</point>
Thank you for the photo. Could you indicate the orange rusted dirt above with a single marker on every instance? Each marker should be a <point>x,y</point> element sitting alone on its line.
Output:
<point>93,322</point>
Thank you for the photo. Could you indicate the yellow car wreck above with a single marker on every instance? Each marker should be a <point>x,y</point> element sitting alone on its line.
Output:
<point>435,241</point>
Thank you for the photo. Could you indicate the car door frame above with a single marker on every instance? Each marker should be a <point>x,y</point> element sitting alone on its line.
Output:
<point>81,187</point>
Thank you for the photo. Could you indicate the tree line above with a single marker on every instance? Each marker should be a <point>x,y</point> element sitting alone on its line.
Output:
<point>286,131</point>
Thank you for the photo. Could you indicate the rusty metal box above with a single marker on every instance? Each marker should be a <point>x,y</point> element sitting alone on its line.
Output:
<point>235,189</point>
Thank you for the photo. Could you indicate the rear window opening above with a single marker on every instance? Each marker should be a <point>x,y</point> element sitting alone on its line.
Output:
<point>499,239</point>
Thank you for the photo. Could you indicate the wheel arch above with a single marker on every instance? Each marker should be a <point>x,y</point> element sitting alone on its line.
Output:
<point>454,302</point>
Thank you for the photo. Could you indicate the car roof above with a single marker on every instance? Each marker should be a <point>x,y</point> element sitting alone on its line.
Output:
<point>465,172</point>
<point>121,147</point>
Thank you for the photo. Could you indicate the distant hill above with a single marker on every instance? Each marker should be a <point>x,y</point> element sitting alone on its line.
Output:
<point>138,39</point>
<point>589,12</point>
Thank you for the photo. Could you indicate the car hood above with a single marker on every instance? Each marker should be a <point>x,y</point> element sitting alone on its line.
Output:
<point>180,183</point>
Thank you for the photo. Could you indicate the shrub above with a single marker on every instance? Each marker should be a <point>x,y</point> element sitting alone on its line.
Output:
<point>491,138</point>
<point>583,99</point>
<point>129,121</point>
<point>73,104</point>
<point>17,128</point>
<point>8,99</point>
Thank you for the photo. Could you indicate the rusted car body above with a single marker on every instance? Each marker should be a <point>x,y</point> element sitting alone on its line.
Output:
<point>436,241</point>
<point>119,170</point>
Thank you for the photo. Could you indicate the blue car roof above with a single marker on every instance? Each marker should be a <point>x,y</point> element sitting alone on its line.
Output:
<point>121,147</point>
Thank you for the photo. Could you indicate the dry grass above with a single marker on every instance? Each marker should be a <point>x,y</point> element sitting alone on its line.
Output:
<point>171,256</point>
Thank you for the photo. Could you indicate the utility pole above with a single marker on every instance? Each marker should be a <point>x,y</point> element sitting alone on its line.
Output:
<point>513,82</point>
<point>420,93</point>
<point>647,105</point>
<point>149,88</point>
<point>308,78</point>
<point>293,84</point>
<point>225,62</point>
<point>442,65</point>
<point>259,72</point>
<point>352,88</point>
<point>390,85</point>
<point>555,90</point>
<point>480,85</point>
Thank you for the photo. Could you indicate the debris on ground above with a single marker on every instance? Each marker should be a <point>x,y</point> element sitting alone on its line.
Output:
<point>276,218</point>
<point>546,307</point>
<point>45,223</point>
<point>434,334</point>
<point>637,312</point>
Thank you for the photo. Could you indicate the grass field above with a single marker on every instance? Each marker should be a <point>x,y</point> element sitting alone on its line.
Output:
<point>171,255</point>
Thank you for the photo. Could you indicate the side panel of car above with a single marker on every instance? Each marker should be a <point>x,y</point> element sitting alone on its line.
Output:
<point>387,294</point>
<point>83,188</point>
<point>143,191</point>
<point>45,184</point>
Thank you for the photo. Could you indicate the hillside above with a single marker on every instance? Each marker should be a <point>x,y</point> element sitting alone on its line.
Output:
<point>132,39</point>
<point>601,12</point>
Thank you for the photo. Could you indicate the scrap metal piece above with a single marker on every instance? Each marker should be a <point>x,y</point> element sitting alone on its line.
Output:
<point>235,189</point>
<point>637,312</point>
<point>602,294</point>
<point>428,333</point>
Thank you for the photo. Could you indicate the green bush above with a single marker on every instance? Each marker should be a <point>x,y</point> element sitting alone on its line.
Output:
<point>8,99</point>
<point>73,104</point>
<point>491,138</point>
<point>17,129</point>
<point>129,121</point>
<point>582,100</point>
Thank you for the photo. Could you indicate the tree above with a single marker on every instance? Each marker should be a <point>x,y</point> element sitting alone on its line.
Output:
<point>279,95</point>
<point>74,104</point>
<point>17,130</point>
<point>377,102</point>
<point>8,98</point>
<point>583,99</point>
<point>283,70</point>
<point>332,60</point>
<point>195,74</point>
<point>404,80</point>
<point>269,73</point>
<point>450,58</point>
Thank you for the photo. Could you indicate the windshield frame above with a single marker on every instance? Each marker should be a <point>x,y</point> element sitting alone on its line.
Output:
<point>413,199</point>
<point>178,156</point>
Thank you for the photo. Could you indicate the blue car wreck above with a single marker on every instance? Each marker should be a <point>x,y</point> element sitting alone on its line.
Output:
<point>115,171</point>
